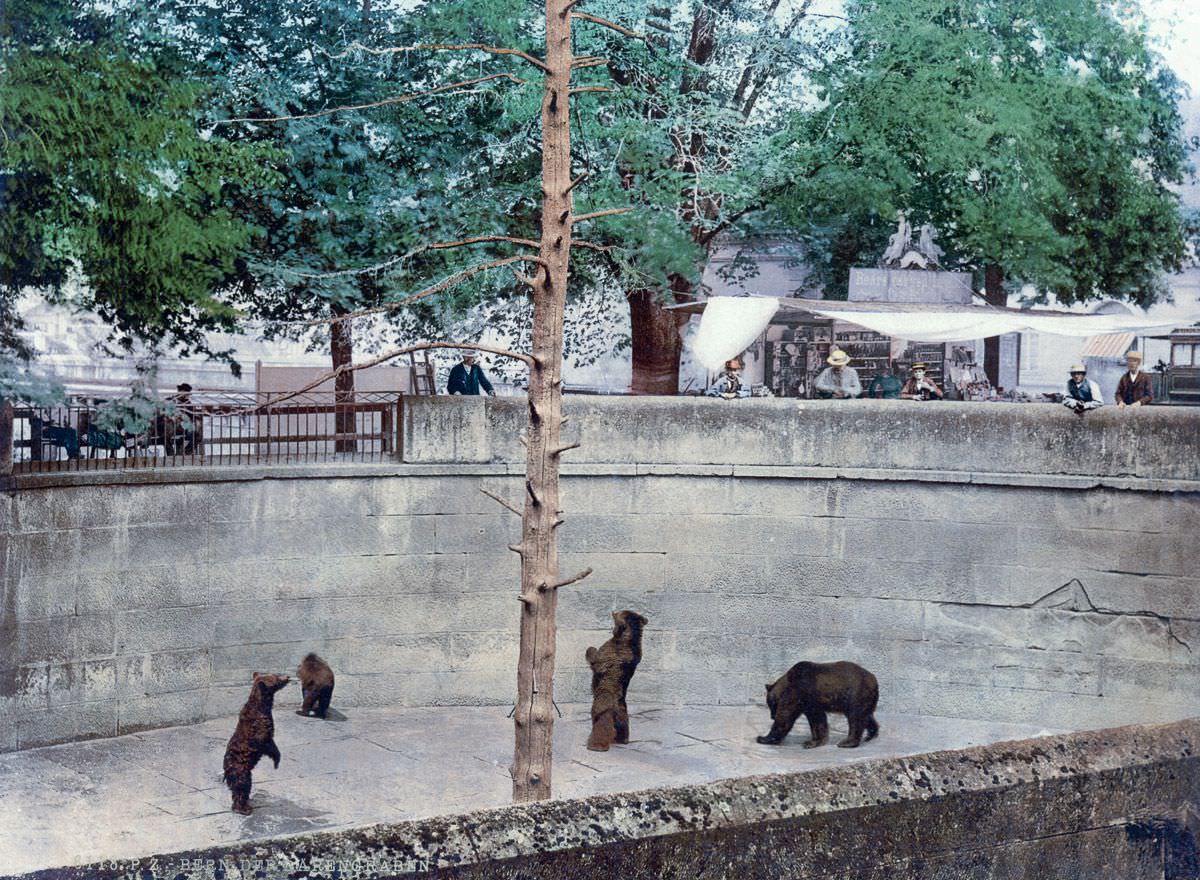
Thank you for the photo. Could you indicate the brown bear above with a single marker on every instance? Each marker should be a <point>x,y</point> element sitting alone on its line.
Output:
<point>254,737</point>
<point>811,690</point>
<point>612,669</point>
<point>316,685</point>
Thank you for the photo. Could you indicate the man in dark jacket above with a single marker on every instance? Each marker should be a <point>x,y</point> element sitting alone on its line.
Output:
<point>1134,387</point>
<point>468,377</point>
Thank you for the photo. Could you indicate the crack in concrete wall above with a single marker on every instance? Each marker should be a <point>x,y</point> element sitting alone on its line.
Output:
<point>1073,596</point>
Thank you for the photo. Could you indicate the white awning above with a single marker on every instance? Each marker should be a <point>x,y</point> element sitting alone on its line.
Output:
<point>731,323</point>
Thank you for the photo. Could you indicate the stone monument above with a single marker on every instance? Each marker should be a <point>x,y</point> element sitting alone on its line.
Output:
<point>910,274</point>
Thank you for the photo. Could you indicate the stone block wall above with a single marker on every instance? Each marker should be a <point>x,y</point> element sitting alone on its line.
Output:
<point>144,599</point>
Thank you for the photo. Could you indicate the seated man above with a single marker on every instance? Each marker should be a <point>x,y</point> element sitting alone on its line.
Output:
<point>729,384</point>
<point>67,438</point>
<point>181,439</point>
<point>838,381</point>
<point>1083,393</point>
<point>919,386</point>
<point>885,384</point>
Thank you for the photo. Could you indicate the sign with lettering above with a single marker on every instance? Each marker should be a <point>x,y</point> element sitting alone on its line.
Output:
<point>909,286</point>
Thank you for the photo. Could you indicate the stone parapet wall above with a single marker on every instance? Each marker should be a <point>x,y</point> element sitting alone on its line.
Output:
<point>1110,805</point>
<point>1147,442</point>
<point>130,604</point>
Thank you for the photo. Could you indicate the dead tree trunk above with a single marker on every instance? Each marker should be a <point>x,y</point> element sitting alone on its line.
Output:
<point>534,714</point>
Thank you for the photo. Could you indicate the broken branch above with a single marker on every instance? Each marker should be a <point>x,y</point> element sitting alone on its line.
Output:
<point>588,61</point>
<point>387,264</point>
<point>429,47</point>
<point>608,212</point>
<point>428,291</point>
<point>402,99</point>
<point>350,368</point>
<point>611,25</point>
<point>502,501</point>
<point>524,279</point>
<point>574,183</point>
<point>591,245</point>
<point>561,449</point>
<point>573,579</point>
<point>579,89</point>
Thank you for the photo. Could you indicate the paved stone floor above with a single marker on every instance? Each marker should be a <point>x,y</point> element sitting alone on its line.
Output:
<point>160,791</point>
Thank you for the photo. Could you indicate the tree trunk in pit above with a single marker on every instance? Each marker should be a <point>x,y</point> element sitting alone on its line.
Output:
<point>534,714</point>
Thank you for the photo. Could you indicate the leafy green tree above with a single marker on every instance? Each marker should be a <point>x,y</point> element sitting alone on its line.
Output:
<point>690,138</point>
<point>107,181</point>
<point>1041,137</point>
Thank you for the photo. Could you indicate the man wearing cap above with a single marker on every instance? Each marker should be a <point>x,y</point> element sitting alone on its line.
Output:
<point>730,384</point>
<point>468,377</point>
<point>1134,387</point>
<point>838,380</point>
<point>1082,393</point>
<point>919,386</point>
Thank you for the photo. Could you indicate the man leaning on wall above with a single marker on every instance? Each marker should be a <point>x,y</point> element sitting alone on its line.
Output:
<point>839,380</point>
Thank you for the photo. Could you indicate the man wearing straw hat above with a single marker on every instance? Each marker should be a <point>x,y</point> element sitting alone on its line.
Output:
<point>1083,393</point>
<point>838,380</point>
<point>919,386</point>
<point>1134,387</point>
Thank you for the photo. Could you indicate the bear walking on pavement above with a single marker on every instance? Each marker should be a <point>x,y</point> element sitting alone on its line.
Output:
<point>811,690</point>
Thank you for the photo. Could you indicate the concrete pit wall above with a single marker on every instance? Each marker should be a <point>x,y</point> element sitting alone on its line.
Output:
<point>144,599</point>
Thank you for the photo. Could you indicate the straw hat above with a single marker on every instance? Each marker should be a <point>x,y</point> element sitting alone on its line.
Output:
<point>838,358</point>
<point>1135,355</point>
<point>1078,368</point>
<point>920,365</point>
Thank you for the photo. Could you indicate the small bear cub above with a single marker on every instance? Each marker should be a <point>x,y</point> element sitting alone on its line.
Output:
<point>612,670</point>
<point>253,738</point>
<point>811,690</point>
<point>316,686</point>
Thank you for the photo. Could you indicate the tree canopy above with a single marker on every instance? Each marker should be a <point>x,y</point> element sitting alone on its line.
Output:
<point>107,180</point>
<point>1041,137</point>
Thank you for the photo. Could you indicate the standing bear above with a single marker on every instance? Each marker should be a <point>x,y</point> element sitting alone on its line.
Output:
<point>613,665</point>
<point>316,686</point>
<point>811,690</point>
<point>254,737</point>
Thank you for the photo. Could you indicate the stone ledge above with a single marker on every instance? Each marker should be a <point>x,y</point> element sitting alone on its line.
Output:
<point>936,804</point>
<point>182,475</point>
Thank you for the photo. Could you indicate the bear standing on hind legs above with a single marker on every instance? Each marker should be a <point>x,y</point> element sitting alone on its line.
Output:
<point>811,690</point>
<point>613,665</point>
<point>254,737</point>
<point>316,686</point>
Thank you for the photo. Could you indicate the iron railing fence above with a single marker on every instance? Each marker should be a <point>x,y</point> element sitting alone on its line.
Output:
<point>210,429</point>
